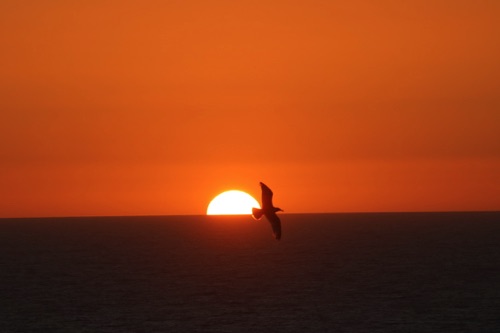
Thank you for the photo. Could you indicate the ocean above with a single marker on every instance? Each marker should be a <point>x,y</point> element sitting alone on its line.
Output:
<point>373,272</point>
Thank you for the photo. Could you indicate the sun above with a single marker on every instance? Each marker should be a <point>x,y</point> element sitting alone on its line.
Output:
<point>232,202</point>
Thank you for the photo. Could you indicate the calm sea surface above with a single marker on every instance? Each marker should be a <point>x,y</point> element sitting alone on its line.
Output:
<point>436,272</point>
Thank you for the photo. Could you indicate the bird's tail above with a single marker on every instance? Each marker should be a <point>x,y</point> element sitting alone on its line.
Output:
<point>256,213</point>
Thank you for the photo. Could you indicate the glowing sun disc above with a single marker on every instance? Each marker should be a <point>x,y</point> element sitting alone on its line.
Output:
<point>232,203</point>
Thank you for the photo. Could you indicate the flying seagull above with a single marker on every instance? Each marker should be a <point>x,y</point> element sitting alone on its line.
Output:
<point>268,210</point>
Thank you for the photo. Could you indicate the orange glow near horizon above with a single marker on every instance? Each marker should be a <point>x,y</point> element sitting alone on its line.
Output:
<point>130,108</point>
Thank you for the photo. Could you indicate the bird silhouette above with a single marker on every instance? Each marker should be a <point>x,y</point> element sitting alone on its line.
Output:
<point>268,210</point>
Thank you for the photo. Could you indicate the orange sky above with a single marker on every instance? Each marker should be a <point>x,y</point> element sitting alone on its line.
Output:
<point>154,107</point>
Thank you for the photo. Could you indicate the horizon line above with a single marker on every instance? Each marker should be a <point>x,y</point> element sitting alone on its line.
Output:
<point>236,215</point>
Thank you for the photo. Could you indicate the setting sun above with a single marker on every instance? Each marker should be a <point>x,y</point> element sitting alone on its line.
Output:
<point>232,203</point>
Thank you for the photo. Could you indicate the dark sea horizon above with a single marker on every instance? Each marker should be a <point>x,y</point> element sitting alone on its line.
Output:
<point>338,272</point>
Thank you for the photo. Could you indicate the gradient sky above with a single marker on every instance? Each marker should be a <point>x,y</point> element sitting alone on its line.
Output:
<point>155,107</point>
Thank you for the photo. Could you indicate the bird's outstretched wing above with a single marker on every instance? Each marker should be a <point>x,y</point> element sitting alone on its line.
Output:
<point>267,197</point>
<point>275,224</point>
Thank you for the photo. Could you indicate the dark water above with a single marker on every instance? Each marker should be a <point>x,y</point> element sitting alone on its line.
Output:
<point>329,273</point>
